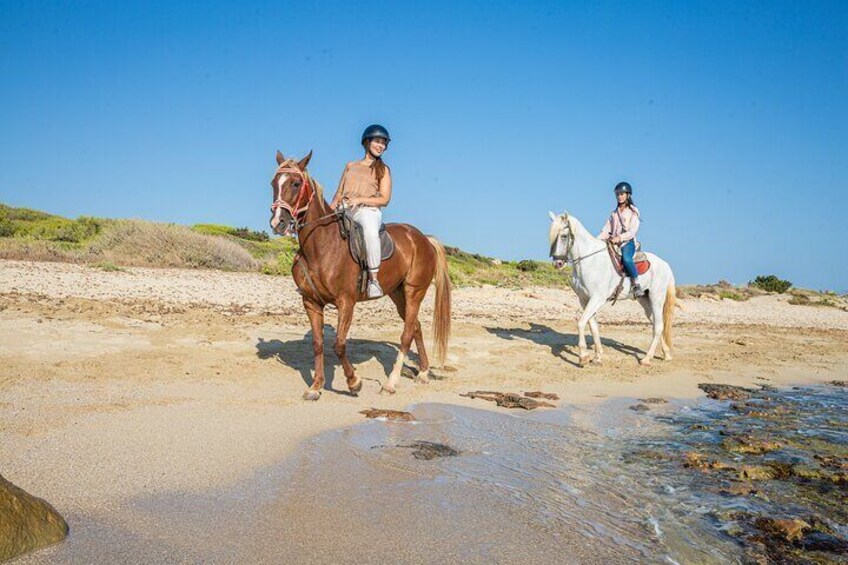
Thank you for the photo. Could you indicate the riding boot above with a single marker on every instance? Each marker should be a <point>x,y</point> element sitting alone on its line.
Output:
<point>638,291</point>
<point>374,290</point>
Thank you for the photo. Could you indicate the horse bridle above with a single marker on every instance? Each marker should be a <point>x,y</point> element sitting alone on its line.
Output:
<point>302,202</point>
<point>569,246</point>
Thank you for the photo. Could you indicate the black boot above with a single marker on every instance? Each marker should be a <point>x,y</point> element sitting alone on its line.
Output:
<point>638,291</point>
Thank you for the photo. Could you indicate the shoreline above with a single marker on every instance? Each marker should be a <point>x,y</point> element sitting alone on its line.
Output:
<point>123,384</point>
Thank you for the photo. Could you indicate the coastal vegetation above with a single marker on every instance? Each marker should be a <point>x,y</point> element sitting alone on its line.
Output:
<point>112,244</point>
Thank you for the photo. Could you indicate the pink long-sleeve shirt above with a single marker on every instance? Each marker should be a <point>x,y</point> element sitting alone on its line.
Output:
<point>626,230</point>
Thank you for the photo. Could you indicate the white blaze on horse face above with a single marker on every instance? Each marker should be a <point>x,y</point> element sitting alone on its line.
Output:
<point>280,182</point>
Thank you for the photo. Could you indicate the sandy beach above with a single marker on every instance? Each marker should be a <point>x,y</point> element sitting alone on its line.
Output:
<point>146,382</point>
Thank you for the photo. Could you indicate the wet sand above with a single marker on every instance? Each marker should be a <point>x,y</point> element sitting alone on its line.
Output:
<point>178,386</point>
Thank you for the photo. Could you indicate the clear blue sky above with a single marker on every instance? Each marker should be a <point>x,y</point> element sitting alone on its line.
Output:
<point>729,119</point>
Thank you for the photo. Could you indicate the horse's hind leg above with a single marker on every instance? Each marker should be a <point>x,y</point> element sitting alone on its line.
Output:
<point>423,376</point>
<point>596,339</point>
<point>354,383</point>
<point>316,320</point>
<point>658,325</point>
<point>412,304</point>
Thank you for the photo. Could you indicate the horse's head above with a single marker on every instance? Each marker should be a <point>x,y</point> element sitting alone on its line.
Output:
<point>560,237</point>
<point>293,191</point>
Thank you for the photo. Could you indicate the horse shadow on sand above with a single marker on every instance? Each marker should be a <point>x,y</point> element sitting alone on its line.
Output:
<point>560,343</point>
<point>298,355</point>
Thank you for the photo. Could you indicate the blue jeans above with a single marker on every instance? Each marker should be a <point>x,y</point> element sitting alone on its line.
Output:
<point>627,251</point>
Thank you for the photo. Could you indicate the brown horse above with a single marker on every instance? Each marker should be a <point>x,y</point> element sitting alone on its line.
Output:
<point>325,273</point>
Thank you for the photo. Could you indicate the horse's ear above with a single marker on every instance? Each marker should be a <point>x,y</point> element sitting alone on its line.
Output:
<point>280,158</point>
<point>304,161</point>
<point>552,215</point>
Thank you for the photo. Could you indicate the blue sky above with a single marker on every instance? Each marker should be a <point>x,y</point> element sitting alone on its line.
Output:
<point>729,119</point>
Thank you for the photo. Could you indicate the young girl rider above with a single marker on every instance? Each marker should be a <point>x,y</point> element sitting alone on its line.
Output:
<point>621,228</point>
<point>365,187</point>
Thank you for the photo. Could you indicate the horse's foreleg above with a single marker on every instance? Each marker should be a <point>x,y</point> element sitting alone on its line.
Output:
<point>596,339</point>
<point>316,320</point>
<point>354,383</point>
<point>410,320</point>
<point>589,312</point>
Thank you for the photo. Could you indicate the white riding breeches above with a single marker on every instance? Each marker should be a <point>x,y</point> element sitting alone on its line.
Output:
<point>370,218</point>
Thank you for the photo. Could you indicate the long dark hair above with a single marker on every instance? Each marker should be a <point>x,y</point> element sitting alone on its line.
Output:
<point>378,165</point>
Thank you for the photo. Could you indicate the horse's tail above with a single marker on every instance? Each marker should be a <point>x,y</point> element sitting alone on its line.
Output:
<point>442,313</point>
<point>668,312</point>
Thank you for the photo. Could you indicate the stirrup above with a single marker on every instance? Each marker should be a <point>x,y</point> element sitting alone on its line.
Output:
<point>374,290</point>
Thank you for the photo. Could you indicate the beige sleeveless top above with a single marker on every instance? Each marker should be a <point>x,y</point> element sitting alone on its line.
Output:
<point>359,181</point>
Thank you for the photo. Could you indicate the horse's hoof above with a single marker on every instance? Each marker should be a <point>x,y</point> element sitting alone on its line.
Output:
<point>312,394</point>
<point>385,390</point>
<point>584,361</point>
<point>597,361</point>
<point>645,362</point>
<point>421,380</point>
<point>355,388</point>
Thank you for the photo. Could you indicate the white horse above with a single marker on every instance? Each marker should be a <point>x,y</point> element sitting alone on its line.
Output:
<point>595,279</point>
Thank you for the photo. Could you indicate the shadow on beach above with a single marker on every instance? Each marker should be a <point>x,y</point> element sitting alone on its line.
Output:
<point>298,355</point>
<point>560,343</point>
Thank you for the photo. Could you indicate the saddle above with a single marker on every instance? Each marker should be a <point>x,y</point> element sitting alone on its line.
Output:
<point>639,258</point>
<point>352,232</point>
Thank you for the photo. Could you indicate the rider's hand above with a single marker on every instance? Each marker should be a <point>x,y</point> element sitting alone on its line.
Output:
<point>616,239</point>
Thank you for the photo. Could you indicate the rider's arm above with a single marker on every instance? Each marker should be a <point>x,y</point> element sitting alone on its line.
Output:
<point>385,193</point>
<point>337,199</point>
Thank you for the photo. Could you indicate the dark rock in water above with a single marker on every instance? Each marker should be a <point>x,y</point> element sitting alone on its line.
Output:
<point>653,400</point>
<point>388,414</point>
<point>427,450</point>
<point>749,445</point>
<point>640,408</point>
<point>782,529</point>
<point>508,399</point>
<point>838,383</point>
<point>725,392</point>
<point>821,541</point>
<point>739,489</point>
<point>26,522</point>
<point>540,394</point>
<point>697,461</point>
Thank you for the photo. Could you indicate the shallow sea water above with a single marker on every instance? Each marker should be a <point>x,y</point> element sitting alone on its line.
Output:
<point>545,486</point>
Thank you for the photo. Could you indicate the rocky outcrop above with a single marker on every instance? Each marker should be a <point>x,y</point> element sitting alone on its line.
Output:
<point>26,522</point>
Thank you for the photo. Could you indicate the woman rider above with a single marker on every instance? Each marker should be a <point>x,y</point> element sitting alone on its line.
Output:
<point>365,187</point>
<point>621,228</point>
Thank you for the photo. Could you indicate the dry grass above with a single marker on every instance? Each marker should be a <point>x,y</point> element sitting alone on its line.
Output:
<point>138,243</point>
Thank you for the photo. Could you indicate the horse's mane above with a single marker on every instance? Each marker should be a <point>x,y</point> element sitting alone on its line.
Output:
<point>561,220</point>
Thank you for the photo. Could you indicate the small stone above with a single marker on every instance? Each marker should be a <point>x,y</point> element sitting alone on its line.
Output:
<point>388,414</point>
<point>788,530</point>
<point>757,473</point>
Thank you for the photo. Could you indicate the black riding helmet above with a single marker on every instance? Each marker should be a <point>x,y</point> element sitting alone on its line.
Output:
<point>373,131</point>
<point>623,187</point>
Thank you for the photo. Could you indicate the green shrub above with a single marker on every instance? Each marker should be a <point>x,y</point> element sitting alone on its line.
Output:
<point>250,235</point>
<point>770,283</point>
<point>527,266</point>
<point>7,228</point>
<point>730,295</point>
<point>78,230</point>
